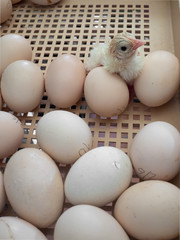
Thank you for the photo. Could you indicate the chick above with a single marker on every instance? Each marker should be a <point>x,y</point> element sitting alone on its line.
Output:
<point>120,56</point>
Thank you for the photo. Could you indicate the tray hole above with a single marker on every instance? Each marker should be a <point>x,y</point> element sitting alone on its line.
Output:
<point>91,124</point>
<point>136,117</point>
<point>26,130</point>
<point>113,135</point>
<point>124,145</point>
<point>100,143</point>
<point>83,107</point>
<point>101,134</point>
<point>33,141</point>
<point>28,122</point>
<point>24,140</point>
<point>82,115</point>
<point>52,106</point>
<point>124,135</point>
<point>147,117</point>
<point>30,114</point>
<point>113,125</point>
<point>92,115</point>
<point>40,114</point>
<point>136,126</point>
<point>102,125</point>
<point>112,144</point>
<point>124,125</point>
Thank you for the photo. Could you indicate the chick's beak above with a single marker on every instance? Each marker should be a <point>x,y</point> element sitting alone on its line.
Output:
<point>136,43</point>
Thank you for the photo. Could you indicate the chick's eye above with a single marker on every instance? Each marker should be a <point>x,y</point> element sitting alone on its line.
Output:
<point>123,48</point>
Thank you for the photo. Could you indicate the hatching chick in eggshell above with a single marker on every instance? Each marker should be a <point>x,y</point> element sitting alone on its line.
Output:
<point>120,56</point>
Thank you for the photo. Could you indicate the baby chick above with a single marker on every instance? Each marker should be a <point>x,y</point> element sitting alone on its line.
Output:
<point>120,56</point>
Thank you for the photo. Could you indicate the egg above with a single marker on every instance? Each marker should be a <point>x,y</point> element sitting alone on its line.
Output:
<point>2,193</point>
<point>159,80</point>
<point>155,151</point>
<point>6,10</point>
<point>11,134</point>
<point>106,94</point>
<point>34,187</point>
<point>13,47</point>
<point>64,136</point>
<point>64,81</point>
<point>19,229</point>
<point>22,86</point>
<point>1,101</point>
<point>149,210</point>
<point>88,222</point>
<point>98,177</point>
<point>45,2</point>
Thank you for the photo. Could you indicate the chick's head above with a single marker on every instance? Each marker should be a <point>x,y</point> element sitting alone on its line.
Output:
<point>123,46</point>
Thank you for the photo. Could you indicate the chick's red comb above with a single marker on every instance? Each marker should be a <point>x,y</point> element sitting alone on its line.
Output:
<point>136,43</point>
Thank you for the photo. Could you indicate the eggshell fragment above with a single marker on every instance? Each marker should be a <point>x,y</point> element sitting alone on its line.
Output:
<point>22,86</point>
<point>98,177</point>
<point>149,210</point>
<point>13,47</point>
<point>6,10</point>
<point>11,134</point>
<point>155,151</point>
<point>18,229</point>
<point>106,94</point>
<point>45,2</point>
<point>34,187</point>
<point>64,136</point>
<point>159,80</point>
<point>88,222</point>
<point>2,193</point>
<point>64,82</point>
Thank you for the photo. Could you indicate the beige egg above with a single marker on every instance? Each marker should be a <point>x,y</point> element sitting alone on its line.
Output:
<point>98,177</point>
<point>19,229</point>
<point>6,10</point>
<point>34,187</point>
<point>149,210</point>
<point>64,82</point>
<point>2,193</point>
<point>155,151</point>
<point>11,134</point>
<point>45,2</point>
<point>159,80</point>
<point>64,136</point>
<point>13,47</point>
<point>22,86</point>
<point>106,94</point>
<point>88,222</point>
<point>15,1</point>
<point>1,101</point>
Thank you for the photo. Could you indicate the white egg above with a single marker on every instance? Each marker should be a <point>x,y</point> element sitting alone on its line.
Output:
<point>149,210</point>
<point>11,134</point>
<point>64,136</point>
<point>45,2</point>
<point>22,86</point>
<point>155,151</point>
<point>98,177</point>
<point>18,229</point>
<point>13,47</point>
<point>34,187</point>
<point>106,94</point>
<point>2,193</point>
<point>159,79</point>
<point>85,222</point>
<point>6,10</point>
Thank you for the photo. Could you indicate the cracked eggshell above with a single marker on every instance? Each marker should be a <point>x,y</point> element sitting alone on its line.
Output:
<point>88,222</point>
<point>13,47</point>
<point>64,136</point>
<point>22,86</point>
<point>159,79</point>
<point>64,81</point>
<point>2,193</point>
<point>19,229</point>
<point>34,187</point>
<point>6,10</point>
<point>149,210</point>
<point>155,151</point>
<point>45,2</point>
<point>98,177</point>
<point>11,134</point>
<point>106,94</point>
